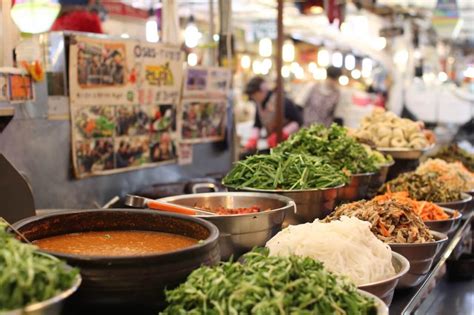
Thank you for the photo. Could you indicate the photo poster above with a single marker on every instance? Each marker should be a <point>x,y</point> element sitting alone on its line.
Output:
<point>124,98</point>
<point>203,111</point>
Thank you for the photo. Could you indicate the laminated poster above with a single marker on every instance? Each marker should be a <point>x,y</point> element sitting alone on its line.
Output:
<point>203,110</point>
<point>124,97</point>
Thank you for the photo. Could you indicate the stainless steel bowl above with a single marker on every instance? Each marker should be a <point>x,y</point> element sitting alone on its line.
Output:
<point>380,177</point>
<point>420,256</point>
<point>448,225</point>
<point>52,306</point>
<point>311,204</point>
<point>358,187</point>
<point>240,233</point>
<point>470,206</point>
<point>405,153</point>
<point>384,289</point>
<point>459,205</point>
<point>382,309</point>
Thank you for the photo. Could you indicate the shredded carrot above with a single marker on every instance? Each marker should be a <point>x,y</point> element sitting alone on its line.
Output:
<point>428,211</point>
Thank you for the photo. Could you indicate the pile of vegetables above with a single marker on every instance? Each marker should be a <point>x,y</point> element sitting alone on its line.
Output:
<point>378,157</point>
<point>334,145</point>
<point>267,285</point>
<point>454,174</point>
<point>284,171</point>
<point>392,220</point>
<point>454,153</point>
<point>428,211</point>
<point>427,187</point>
<point>27,276</point>
<point>387,130</point>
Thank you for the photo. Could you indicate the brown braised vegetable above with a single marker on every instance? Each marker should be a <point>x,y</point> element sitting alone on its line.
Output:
<point>391,220</point>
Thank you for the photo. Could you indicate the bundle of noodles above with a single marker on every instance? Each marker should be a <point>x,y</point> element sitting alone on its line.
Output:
<point>391,221</point>
<point>352,251</point>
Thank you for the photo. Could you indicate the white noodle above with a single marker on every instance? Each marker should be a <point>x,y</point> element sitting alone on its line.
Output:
<point>345,246</point>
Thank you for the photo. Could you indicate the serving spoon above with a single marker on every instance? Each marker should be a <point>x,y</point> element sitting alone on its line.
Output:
<point>141,202</point>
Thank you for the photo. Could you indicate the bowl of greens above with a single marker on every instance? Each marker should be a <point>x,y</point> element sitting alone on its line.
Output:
<point>31,282</point>
<point>263,284</point>
<point>312,183</point>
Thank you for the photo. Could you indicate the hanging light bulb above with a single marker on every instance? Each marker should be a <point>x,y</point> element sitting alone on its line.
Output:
<point>285,71</point>
<point>356,74</point>
<point>323,57</point>
<point>443,76</point>
<point>337,59</point>
<point>288,51</point>
<point>349,62</point>
<point>191,34</point>
<point>192,59</point>
<point>35,16</point>
<point>257,67</point>
<point>343,80</point>
<point>320,74</point>
<point>245,62</point>
<point>267,63</point>
<point>265,47</point>
<point>312,67</point>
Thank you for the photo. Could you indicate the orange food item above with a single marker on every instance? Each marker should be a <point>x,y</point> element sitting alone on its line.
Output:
<point>428,211</point>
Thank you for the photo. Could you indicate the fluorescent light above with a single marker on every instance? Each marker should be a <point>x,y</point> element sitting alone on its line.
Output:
<point>35,16</point>
<point>245,62</point>
<point>356,74</point>
<point>337,59</point>
<point>152,31</point>
<point>288,51</point>
<point>192,59</point>
<point>323,58</point>
<point>349,62</point>
<point>215,37</point>
<point>265,46</point>
<point>343,80</point>
<point>125,35</point>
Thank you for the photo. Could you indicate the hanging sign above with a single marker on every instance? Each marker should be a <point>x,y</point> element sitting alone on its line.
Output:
<point>203,114</point>
<point>124,96</point>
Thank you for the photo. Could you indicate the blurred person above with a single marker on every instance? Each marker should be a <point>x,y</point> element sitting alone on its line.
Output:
<point>322,100</point>
<point>258,92</point>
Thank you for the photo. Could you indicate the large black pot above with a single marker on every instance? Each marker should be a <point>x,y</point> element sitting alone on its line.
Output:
<point>128,281</point>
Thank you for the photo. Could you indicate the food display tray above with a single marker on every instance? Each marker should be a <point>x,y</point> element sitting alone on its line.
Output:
<point>407,301</point>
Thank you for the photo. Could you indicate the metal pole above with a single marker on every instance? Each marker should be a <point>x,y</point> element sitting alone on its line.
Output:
<point>279,81</point>
<point>212,49</point>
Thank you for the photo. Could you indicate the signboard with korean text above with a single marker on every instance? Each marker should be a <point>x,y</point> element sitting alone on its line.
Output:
<point>124,97</point>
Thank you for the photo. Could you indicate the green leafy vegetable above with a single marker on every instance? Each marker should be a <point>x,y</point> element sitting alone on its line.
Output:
<point>267,285</point>
<point>284,171</point>
<point>27,276</point>
<point>333,145</point>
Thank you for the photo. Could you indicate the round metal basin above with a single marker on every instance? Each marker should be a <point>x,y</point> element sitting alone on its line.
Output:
<point>384,289</point>
<point>420,256</point>
<point>358,187</point>
<point>382,309</point>
<point>242,232</point>
<point>459,205</point>
<point>448,225</point>
<point>379,178</point>
<point>311,204</point>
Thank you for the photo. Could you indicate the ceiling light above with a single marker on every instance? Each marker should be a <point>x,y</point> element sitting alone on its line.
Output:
<point>34,16</point>
<point>265,47</point>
